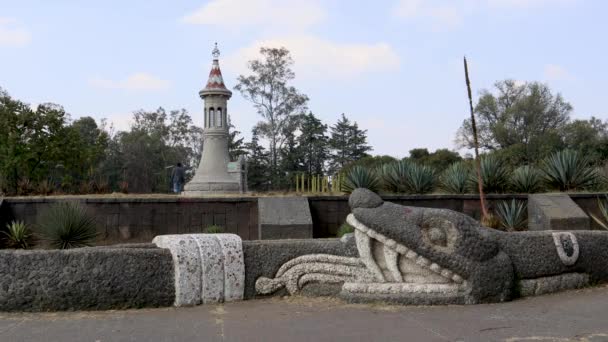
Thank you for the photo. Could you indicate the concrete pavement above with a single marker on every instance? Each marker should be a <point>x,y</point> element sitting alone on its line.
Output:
<point>570,316</point>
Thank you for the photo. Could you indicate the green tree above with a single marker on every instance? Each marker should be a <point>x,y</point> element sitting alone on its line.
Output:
<point>589,137</point>
<point>313,144</point>
<point>525,119</point>
<point>348,143</point>
<point>257,164</point>
<point>438,160</point>
<point>275,101</point>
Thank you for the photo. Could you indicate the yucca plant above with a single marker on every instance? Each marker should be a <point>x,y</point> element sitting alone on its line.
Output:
<point>494,175</point>
<point>344,229</point>
<point>394,176</point>
<point>214,230</point>
<point>455,178</point>
<point>512,215</point>
<point>420,179</point>
<point>569,170</point>
<point>68,225</point>
<point>603,207</point>
<point>360,177</point>
<point>526,179</point>
<point>18,235</point>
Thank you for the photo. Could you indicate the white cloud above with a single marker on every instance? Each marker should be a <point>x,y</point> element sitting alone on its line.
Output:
<point>443,14</point>
<point>315,57</point>
<point>234,14</point>
<point>554,72</point>
<point>13,34</point>
<point>120,121</point>
<point>139,81</point>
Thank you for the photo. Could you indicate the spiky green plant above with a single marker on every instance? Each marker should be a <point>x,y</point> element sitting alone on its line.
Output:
<point>455,178</point>
<point>18,235</point>
<point>420,179</point>
<point>360,177</point>
<point>569,170</point>
<point>494,175</point>
<point>512,215</point>
<point>344,229</point>
<point>603,207</point>
<point>214,229</point>
<point>68,225</point>
<point>526,179</point>
<point>394,176</point>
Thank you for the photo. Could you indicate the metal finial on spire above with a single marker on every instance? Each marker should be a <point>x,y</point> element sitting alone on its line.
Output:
<point>216,52</point>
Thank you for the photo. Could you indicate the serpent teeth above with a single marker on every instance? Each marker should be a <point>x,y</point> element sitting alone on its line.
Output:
<point>435,268</point>
<point>447,274</point>
<point>422,261</point>
<point>411,254</point>
<point>391,243</point>
<point>372,234</point>
<point>401,249</point>
<point>457,279</point>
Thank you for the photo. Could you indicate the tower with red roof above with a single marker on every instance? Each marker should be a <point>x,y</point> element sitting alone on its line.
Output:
<point>216,173</point>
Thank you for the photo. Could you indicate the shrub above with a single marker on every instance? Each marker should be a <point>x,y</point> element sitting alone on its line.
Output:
<point>603,207</point>
<point>394,176</point>
<point>45,187</point>
<point>18,235</point>
<point>124,187</point>
<point>214,230</point>
<point>24,187</point>
<point>455,178</point>
<point>490,221</point>
<point>526,179</point>
<point>360,177</point>
<point>569,170</point>
<point>344,229</point>
<point>512,215</point>
<point>494,175</point>
<point>68,225</point>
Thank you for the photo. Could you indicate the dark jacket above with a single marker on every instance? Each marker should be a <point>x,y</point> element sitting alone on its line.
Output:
<point>178,174</point>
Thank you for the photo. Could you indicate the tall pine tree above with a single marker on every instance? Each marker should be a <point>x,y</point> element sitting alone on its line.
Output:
<point>258,171</point>
<point>348,143</point>
<point>313,144</point>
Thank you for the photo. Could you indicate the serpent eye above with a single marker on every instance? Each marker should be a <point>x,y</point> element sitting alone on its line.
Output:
<point>437,236</point>
<point>439,233</point>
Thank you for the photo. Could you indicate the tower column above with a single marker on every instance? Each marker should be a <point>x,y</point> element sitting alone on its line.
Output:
<point>212,174</point>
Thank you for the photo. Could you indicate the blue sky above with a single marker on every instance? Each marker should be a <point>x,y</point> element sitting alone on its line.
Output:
<point>394,66</point>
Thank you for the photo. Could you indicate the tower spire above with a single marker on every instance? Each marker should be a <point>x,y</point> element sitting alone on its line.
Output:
<point>215,83</point>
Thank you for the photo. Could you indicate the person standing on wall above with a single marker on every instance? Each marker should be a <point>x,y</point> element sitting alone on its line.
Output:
<point>177,178</point>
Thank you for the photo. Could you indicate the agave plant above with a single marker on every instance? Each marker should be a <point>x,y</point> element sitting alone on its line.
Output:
<point>420,179</point>
<point>214,230</point>
<point>68,225</point>
<point>512,215</point>
<point>603,207</point>
<point>395,175</point>
<point>344,229</point>
<point>569,170</point>
<point>526,179</point>
<point>360,177</point>
<point>494,175</point>
<point>18,235</point>
<point>455,178</point>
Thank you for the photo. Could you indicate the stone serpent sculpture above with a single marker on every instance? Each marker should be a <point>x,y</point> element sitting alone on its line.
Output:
<point>413,255</point>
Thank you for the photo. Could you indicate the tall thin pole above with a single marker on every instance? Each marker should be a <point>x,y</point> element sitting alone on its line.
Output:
<point>482,199</point>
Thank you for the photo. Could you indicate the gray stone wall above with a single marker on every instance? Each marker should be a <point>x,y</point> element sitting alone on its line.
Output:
<point>139,220</point>
<point>85,279</point>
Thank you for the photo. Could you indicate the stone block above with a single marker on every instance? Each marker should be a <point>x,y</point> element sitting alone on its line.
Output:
<point>555,212</point>
<point>284,218</point>
<point>209,268</point>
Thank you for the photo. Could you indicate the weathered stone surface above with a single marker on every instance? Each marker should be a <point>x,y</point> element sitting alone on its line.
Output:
<point>234,266</point>
<point>264,258</point>
<point>212,268</point>
<point>85,279</point>
<point>187,267</point>
<point>284,218</point>
<point>209,268</point>
<point>543,285</point>
<point>555,212</point>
